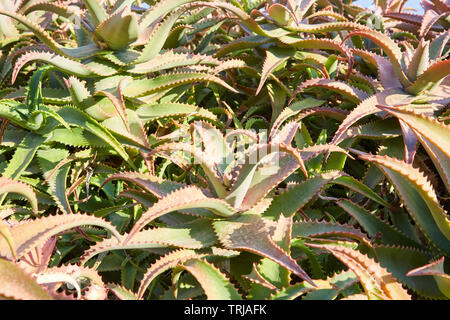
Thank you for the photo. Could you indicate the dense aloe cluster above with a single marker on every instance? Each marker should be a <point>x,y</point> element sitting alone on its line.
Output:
<point>239,149</point>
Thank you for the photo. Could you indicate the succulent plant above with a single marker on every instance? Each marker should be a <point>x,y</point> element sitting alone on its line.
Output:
<point>270,150</point>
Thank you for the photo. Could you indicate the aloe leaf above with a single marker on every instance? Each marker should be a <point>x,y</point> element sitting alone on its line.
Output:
<point>390,48</point>
<point>435,269</point>
<point>370,106</point>
<point>400,260</point>
<point>139,88</point>
<point>63,64</point>
<point>373,225</point>
<point>156,111</point>
<point>150,183</point>
<point>292,292</point>
<point>430,76</point>
<point>118,30</point>
<point>208,164</point>
<point>36,29</point>
<point>270,270</point>
<point>168,261</point>
<point>355,185</point>
<point>192,235</point>
<point>159,10</point>
<point>419,198</point>
<point>187,198</point>
<point>23,155</point>
<point>56,175</point>
<point>10,185</point>
<point>172,59</point>
<point>33,233</point>
<point>246,42</point>
<point>419,61</point>
<point>158,37</point>
<point>214,283</point>
<point>131,129</point>
<point>323,229</point>
<point>17,284</point>
<point>265,166</point>
<point>378,282</point>
<point>251,233</point>
<point>348,92</point>
<point>96,11</point>
<point>293,109</point>
<point>337,283</point>
<point>431,134</point>
<point>77,117</point>
<point>295,197</point>
<point>121,292</point>
<point>274,58</point>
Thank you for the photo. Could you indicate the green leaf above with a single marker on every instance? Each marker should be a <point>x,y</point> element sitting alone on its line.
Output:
<point>156,111</point>
<point>143,87</point>
<point>23,155</point>
<point>419,198</point>
<point>35,232</point>
<point>213,281</point>
<point>17,284</point>
<point>297,196</point>
<point>400,260</point>
<point>377,282</point>
<point>352,183</point>
<point>251,233</point>
<point>118,30</point>
<point>77,117</point>
<point>55,171</point>
<point>374,225</point>
<point>10,185</point>
<point>187,198</point>
<point>432,134</point>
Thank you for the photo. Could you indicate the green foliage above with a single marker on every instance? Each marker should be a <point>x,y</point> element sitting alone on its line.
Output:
<point>183,149</point>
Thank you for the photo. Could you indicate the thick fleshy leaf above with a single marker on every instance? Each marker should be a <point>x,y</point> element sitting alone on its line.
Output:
<point>150,183</point>
<point>432,135</point>
<point>23,155</point>
<point>355,185</point>
<point>77,117</point>
<point>156,111</point>
<point>348,92</point>
<point>143,87</point>
<point>72,67</point>
<point>265,166</point>
<point>55,171</point>
<point>16,284</point>
<point>192,235</point>
<point>186,198</point>
<point>435,269</point>
<point>297,196</point>
<point>10,185</point>
<point>323,229</point>
<point>374,225</point>
<point>400,260</point>
<point>391,49</point>
<point>376,280</point>
<point>119,29</point>
<point>370,106</point>
<point>251,233</point>
<point>269,269</point>
<point>29,234</point>
<point>419,198</point>
<point>214,283</point>
<point>274,57</point>
<point>169,261</point>
<point>430,77</point>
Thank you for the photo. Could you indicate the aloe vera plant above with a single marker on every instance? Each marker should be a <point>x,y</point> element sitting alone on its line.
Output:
<point>270,150</point>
